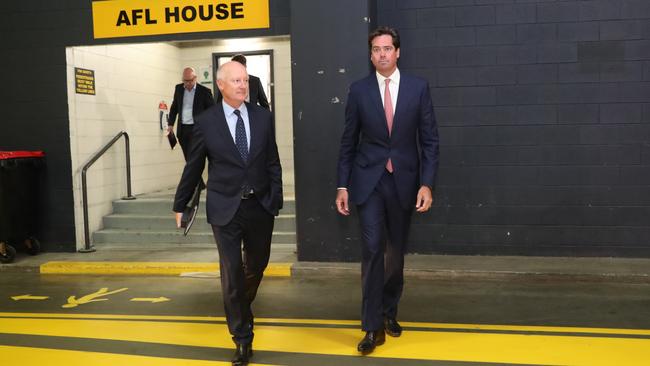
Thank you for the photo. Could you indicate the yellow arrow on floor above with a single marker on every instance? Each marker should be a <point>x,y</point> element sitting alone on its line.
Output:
<point>150,299</point>
<point>29,297</point>
<point>95,296</point>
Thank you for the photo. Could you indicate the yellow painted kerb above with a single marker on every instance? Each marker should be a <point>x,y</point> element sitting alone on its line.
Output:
<point>148,268</point>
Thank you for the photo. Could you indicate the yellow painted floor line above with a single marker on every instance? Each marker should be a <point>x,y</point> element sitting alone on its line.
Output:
<point>354,323</point>
<point>148,268</point>
<point>466,345</point>
<point>39,356</point>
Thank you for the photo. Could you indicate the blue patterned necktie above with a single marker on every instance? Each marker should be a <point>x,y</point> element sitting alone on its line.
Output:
<point>240,137</point>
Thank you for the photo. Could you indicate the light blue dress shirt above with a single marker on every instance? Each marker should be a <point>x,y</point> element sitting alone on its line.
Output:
<point>188,103</point>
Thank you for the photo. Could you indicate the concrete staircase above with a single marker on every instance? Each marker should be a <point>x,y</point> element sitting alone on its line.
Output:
<point>148,222</point>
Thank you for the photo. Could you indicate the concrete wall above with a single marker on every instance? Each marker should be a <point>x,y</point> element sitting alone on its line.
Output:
<point>130,82</point>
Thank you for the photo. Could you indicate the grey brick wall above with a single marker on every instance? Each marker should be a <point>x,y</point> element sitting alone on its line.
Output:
<point>544,115</point>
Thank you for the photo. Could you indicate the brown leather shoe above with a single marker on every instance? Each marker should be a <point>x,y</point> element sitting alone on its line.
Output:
<point>393,328</point>
<point>243,353</point>
<point>370,341</point>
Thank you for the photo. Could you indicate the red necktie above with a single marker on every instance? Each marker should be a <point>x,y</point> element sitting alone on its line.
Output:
<point>388,110</point>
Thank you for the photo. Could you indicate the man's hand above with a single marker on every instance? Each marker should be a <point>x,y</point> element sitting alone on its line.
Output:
<point>170,129</point>
<point>424,200</point>
<point>342,202</point>
<point>179,215</point>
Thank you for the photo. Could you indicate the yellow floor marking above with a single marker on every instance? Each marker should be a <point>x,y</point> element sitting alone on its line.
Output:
<point>148,268</point>
<point>39,356</point>
<point>73,302</point>
<point>150,299</point>
<point>425,345</point>
<point>29,297</point>
<point>355,323</point>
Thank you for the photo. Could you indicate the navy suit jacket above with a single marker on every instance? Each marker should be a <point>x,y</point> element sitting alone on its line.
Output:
<point>366,145</point>
<point>227,172</point>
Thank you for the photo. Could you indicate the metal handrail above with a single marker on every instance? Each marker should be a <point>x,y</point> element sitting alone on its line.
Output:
<point>84,188</point>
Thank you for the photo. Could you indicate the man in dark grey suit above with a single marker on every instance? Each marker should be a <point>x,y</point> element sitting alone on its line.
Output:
<point>190,99</point>
<point>387,166</point>
<point>256,93</point>
<point>244,193</point>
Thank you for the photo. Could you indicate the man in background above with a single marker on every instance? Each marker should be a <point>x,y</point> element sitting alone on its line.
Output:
<point>190,99</point>
<point>256,93</point>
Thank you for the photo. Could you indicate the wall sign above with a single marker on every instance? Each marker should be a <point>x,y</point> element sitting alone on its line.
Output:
<point>84,81</point>
<point>129,18</point>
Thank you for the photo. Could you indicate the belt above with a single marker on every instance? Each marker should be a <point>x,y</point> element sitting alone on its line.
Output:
<point>247,195</point>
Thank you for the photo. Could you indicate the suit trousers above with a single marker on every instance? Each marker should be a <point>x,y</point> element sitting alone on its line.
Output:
<point>384,226</point>
<point>185,140</point>
<point>242,270</point>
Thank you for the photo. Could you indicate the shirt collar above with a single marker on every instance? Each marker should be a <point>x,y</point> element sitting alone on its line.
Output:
<point>394,77</point>
<point>229,111</point>
<point>191,90</point>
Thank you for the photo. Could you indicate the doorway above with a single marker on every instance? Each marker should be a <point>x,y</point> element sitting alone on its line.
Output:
<point>258,63</point>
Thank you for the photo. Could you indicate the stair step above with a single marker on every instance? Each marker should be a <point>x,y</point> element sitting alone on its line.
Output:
<point>276,249</point>
<point>173,237</point>
<point>284,222</point>
<point>163,206</point>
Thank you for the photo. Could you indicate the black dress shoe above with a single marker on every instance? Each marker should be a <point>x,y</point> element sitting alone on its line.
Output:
<point>370,341</point>
<point>243,353</point>
<point>392,327</point>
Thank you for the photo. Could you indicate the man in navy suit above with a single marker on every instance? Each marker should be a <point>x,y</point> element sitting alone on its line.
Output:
<point>244,193</point>
<point>387,167</point>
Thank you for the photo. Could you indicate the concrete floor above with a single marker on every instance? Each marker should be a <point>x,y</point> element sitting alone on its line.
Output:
<point>314,321</point>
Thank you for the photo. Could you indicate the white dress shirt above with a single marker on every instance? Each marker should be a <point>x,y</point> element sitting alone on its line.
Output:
<point>393,86</point>
<point>188,104</point>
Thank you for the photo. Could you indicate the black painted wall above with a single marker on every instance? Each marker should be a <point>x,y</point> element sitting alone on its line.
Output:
<point>544,115</point>
<point>329,52</point>
<point>34,35</point>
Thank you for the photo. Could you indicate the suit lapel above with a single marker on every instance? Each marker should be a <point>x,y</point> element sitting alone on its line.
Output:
<point>375,98</point>
<point>197,97</point>
<point>256,134</point>
<point>401,96</point>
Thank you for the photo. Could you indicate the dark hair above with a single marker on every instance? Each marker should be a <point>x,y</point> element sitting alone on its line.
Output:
<point>239,58</point>
<point>384,31</point>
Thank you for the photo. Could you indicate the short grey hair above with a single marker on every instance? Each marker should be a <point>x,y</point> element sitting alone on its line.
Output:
<point>191,69</point>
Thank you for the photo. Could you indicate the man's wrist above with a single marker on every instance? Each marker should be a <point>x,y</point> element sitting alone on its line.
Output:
<point>341,189</point>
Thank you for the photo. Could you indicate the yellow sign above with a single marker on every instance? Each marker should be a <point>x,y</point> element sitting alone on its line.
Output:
<point>73,302</point>
<point>129,18</point>
<point>84,81</point>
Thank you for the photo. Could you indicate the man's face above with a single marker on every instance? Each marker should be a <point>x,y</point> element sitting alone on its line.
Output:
<point>384,55</point>
<point>189,79</point>
<point>234,85</point>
